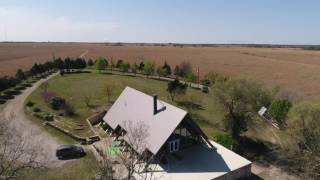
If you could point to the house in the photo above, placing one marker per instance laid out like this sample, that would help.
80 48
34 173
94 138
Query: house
170 135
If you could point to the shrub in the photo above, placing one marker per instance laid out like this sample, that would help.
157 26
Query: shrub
124 67
29 103
57 103
101 64
279 109
36 109
190 77
205 89
48 117
226 140
149 68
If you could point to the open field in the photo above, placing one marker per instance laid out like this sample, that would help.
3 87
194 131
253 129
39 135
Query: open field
296 71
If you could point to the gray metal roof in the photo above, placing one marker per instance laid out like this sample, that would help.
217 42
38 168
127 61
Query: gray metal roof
136 107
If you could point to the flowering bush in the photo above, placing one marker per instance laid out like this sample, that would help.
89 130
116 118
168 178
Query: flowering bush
47 95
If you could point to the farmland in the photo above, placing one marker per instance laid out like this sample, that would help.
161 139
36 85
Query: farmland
296 71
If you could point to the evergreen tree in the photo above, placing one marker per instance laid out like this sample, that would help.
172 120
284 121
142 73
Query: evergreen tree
149 68
167 68
90 62
101 64
20 75
119 63
176 71
141 66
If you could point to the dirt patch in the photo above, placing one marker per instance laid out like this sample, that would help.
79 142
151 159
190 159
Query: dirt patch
271 172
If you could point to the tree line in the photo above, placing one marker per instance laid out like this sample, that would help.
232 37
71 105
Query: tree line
7 82
183 70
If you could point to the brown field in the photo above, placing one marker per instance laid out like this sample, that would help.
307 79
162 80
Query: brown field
296 71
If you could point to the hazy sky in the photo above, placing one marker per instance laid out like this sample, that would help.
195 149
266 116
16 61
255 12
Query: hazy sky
182 21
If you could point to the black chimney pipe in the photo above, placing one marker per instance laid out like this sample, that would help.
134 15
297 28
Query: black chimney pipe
155 108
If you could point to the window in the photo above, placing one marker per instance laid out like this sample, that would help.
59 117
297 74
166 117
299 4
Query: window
174 145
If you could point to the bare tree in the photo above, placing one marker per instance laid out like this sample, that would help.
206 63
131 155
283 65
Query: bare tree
105 171
136 134
134 157
16 154
87 100
44 86
131 161
109 89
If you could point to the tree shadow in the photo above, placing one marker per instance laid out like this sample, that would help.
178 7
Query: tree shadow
20 88
12 92
106 72
266 154
77 72
7 96
2 101
205 161
251 177
27 85
253 148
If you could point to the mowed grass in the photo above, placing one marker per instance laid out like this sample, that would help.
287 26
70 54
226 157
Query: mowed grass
75 87
84 168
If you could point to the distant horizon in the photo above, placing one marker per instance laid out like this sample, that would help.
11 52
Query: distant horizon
284 22
160 43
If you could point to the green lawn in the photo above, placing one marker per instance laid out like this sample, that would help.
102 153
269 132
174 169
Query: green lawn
74 88
84 168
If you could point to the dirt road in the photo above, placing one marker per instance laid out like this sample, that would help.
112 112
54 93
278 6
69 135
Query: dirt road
84 54
41 140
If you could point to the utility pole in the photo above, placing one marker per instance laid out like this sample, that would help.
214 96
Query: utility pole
198 77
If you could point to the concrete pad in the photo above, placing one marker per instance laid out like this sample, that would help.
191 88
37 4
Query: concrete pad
201 163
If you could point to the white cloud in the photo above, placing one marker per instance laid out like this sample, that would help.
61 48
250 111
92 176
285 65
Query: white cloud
20 24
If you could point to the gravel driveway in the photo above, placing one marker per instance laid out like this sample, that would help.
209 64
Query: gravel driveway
43 142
